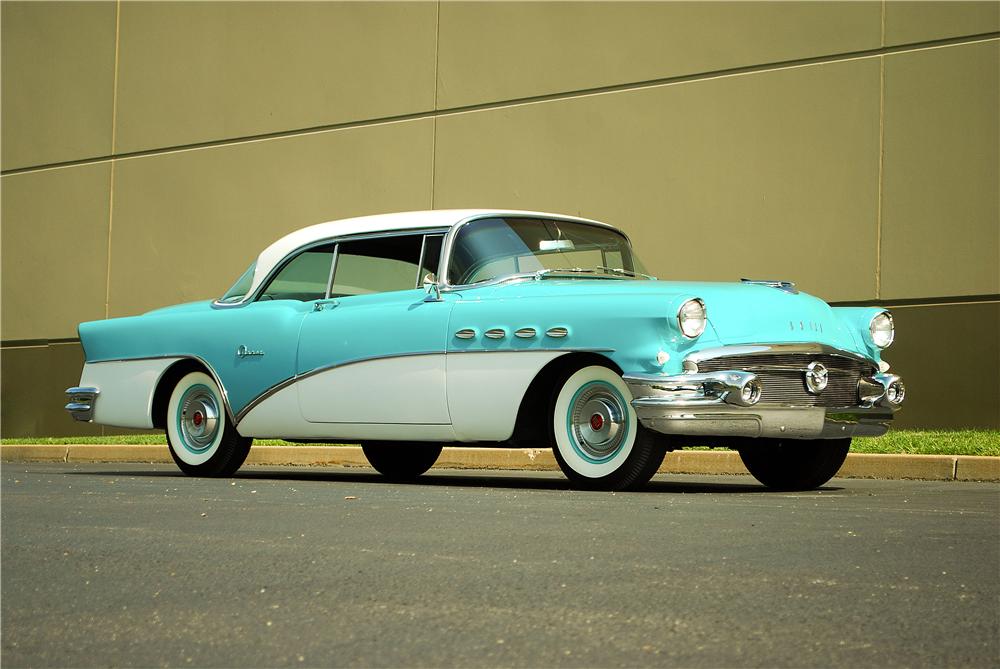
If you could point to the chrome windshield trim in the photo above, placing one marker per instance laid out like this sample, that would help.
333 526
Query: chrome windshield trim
449 243
252 297
772 349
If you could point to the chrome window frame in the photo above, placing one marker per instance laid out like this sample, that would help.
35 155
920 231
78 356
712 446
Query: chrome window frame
337 241
449 244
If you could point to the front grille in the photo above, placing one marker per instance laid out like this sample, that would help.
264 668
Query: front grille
782 377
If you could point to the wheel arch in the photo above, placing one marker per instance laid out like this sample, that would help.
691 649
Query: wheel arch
529 427
169 379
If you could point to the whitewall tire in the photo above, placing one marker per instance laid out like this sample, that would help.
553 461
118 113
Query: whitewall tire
202 439
596 437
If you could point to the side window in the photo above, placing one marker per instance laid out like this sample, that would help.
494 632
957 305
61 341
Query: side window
304 278
377 265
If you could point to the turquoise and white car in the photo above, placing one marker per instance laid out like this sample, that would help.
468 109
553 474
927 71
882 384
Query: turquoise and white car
410 331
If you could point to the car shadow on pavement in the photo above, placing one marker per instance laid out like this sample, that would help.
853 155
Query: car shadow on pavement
511 480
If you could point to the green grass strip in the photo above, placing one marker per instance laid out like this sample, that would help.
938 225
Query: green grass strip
921 442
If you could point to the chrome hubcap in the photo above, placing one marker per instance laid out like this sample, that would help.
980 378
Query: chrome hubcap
598 422
199 418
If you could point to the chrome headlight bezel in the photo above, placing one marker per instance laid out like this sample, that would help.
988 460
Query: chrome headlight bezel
690 322
882 330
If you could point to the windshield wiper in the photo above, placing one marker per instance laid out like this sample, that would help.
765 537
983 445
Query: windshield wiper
626 272
563 270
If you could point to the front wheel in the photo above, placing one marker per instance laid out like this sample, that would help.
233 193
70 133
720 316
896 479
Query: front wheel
202 439
794 464
596 438
401 461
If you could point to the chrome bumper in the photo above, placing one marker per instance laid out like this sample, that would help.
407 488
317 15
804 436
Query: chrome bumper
715 404
81 403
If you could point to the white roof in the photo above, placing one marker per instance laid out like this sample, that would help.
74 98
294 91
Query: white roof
404 220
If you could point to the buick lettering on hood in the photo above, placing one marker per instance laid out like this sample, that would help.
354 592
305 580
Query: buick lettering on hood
406 332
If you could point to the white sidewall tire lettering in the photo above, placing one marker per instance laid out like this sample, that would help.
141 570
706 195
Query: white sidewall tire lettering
573 457
175 438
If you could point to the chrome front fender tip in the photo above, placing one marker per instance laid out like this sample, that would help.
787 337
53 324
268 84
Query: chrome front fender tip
81 403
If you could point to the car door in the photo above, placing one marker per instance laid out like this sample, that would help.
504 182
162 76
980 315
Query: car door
373 352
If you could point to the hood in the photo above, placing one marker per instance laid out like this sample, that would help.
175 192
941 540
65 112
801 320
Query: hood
738 313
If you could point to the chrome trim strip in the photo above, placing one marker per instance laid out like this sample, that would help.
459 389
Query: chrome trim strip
525 333
420 263
333 270
770 349
325 368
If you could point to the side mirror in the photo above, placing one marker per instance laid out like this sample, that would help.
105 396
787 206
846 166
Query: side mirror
432 288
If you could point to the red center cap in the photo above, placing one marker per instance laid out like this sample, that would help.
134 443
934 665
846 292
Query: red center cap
596 422
197 418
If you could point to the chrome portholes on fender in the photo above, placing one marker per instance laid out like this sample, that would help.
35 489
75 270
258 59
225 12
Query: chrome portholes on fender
201 438
596 437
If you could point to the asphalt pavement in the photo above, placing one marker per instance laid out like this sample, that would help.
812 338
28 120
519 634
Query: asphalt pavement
137 565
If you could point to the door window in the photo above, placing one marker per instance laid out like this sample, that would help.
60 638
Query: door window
377 265
305 277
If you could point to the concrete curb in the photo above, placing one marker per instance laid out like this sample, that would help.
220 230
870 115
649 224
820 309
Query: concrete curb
858 465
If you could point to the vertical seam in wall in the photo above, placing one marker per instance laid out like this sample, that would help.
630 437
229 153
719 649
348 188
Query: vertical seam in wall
434 120
881 161
111 187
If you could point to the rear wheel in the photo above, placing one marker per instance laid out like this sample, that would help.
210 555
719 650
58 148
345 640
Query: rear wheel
202 440
794 464
401 461
596 438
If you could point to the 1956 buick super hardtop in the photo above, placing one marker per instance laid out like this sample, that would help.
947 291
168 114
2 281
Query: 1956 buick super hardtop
484 327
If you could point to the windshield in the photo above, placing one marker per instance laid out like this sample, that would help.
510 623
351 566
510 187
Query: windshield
240 288
496 247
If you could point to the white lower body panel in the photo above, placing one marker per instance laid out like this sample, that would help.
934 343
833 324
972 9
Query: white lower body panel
126 390
485 390
404 389
365 401
280 417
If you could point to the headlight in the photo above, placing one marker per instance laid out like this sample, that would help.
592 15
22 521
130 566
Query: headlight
691 318
882 329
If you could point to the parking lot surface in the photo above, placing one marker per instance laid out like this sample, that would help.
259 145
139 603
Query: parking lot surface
136 565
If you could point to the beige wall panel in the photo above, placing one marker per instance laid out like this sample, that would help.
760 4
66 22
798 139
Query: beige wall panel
938 390
33 393
187 224
507 50
940 204
770 175
910 22
54 250
195 72
58 81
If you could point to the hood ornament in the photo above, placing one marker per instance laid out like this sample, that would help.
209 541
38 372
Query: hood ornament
787 286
